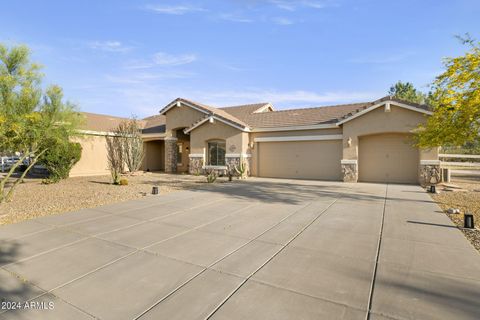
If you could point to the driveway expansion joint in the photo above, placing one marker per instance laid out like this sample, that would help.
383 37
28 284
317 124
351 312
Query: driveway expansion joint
377 256
270 259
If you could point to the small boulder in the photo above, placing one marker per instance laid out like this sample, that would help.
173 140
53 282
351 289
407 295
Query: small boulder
453 211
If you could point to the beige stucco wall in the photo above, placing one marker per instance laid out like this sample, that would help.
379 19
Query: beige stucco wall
94 157
181 117
236 140
398 120
154 159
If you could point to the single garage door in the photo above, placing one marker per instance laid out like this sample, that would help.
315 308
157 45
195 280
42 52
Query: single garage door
300 159
387 158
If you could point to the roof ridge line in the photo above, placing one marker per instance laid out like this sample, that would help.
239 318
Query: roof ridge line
319 107
245 105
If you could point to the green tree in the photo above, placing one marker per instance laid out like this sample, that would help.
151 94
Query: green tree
29 117
455 100
407 92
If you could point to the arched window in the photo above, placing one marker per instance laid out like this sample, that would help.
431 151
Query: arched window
216 152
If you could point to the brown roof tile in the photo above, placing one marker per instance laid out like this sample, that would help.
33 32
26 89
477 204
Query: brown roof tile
154 124
243 111
100 122
106 123
307 116
301 117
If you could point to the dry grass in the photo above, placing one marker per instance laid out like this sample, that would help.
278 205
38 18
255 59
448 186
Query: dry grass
34 199
467 200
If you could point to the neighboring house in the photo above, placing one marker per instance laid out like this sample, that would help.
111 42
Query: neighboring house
368 142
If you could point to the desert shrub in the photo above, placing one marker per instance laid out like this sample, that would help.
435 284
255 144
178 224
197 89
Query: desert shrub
60 158
211 176
123 182
115 157
129 133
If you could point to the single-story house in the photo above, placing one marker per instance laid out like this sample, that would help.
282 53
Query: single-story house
369 142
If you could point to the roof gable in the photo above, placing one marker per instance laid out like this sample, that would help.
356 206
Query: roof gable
262 116
210 113
386 101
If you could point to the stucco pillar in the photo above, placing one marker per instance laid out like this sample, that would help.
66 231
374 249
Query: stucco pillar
170 154
349 163
349 170
430 172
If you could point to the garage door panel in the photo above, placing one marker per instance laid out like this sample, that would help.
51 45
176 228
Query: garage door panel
388 158
301 159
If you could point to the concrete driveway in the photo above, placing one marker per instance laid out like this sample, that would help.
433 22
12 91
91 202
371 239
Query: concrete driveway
261 249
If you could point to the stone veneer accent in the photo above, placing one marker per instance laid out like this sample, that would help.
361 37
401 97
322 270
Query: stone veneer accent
349 170
233 162
196 165
170 155
430 172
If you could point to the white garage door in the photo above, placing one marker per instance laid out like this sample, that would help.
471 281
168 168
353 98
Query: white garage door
300 159
387 158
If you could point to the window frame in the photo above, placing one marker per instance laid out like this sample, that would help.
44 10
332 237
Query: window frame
217 143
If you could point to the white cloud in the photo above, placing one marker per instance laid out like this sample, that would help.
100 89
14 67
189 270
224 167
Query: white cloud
234 18
146 77
285 5
314 4
160 59
174 9
111 46
165 59
282 21
292 5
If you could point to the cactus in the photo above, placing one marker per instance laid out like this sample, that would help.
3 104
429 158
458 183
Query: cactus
241 169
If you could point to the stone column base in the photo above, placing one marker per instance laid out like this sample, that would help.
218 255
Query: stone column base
349 170
170 155
430 172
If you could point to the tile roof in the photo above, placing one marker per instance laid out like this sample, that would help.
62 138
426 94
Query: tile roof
100 122
154 124
243 111
306 116
106 123
245 116
301 117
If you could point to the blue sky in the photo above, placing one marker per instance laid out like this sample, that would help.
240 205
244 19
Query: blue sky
133 57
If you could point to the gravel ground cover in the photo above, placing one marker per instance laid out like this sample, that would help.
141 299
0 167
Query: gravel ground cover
467 199
34 199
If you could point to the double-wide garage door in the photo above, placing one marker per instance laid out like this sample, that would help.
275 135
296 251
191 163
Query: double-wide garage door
300 159
387 158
